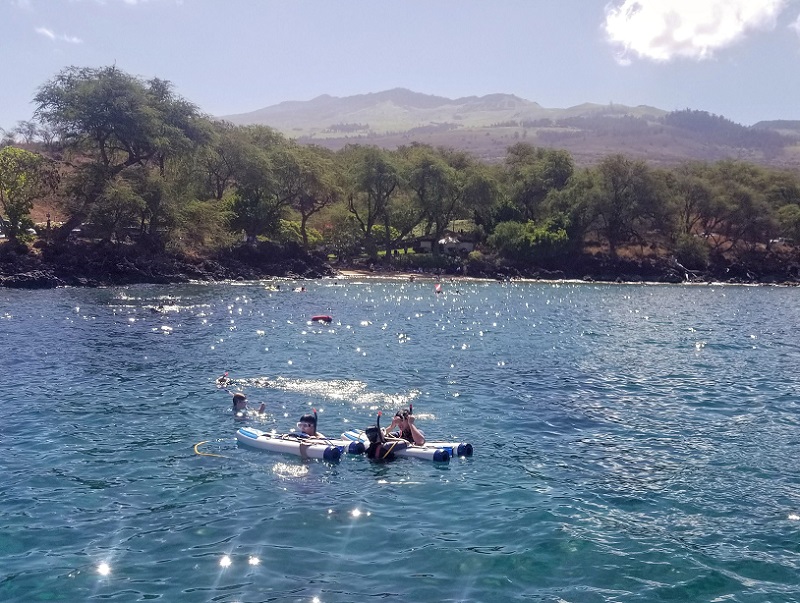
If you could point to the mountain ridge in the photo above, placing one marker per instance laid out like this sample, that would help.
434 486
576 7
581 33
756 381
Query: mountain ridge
487 125
310 116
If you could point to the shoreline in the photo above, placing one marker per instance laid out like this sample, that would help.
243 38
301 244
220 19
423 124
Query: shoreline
104 265
405 276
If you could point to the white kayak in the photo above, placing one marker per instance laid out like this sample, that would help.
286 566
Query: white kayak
302 446
431 451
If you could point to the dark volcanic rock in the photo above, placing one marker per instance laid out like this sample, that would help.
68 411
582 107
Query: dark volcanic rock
37 279
101 264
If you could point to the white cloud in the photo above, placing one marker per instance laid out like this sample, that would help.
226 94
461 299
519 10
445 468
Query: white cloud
796 25
43 31
47 33
663 30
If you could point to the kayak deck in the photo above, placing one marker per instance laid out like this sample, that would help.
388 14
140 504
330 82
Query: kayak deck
292 443
431 451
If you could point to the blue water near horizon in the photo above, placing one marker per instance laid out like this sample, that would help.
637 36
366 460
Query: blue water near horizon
632 443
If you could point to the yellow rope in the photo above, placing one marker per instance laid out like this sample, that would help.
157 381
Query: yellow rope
196 451
390 450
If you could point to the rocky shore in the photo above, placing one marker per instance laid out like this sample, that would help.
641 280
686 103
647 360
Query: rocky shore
604 268
762 269
105 264
87 264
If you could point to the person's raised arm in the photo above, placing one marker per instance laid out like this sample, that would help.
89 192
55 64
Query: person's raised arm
416 433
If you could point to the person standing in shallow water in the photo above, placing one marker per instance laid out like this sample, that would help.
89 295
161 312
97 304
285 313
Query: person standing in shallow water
240 410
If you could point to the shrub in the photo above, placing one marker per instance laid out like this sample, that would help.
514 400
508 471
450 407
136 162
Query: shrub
692 252
289 232
529 242
427 261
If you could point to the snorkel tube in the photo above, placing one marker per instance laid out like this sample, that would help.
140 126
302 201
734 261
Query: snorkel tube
374 434
223 381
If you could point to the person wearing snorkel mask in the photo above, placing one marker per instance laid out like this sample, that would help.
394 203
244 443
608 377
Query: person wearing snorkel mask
308 426
403 427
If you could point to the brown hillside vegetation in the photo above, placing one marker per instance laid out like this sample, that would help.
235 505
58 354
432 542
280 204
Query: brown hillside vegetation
486 126
657 148
144 188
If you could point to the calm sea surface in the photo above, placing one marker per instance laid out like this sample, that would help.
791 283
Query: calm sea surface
632 443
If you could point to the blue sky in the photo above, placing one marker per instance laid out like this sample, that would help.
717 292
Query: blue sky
737 58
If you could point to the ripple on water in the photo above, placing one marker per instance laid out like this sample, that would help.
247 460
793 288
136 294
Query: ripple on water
631 443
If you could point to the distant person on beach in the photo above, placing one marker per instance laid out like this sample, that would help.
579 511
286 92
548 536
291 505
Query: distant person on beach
403 427
380 449
240 410
308 426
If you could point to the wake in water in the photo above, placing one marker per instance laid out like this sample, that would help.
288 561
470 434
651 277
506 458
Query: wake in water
355 392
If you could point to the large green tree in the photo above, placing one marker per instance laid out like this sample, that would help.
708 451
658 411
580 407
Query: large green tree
693 199
447 184
268 178
574 206
318 187
741 191
625 190
219 160
255 208
117 121
373 177
533 173
24 178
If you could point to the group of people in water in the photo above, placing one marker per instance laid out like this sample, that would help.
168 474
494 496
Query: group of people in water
401 433
383 443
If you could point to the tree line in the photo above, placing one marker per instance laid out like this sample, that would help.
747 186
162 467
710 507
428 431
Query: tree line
131 157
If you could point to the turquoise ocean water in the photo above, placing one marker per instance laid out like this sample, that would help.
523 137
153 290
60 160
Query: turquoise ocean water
632 443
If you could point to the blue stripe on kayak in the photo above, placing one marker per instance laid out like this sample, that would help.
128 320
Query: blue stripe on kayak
248 433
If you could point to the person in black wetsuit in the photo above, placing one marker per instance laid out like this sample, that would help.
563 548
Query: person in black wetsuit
380 449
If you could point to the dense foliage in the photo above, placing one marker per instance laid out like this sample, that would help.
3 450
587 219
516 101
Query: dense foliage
139 164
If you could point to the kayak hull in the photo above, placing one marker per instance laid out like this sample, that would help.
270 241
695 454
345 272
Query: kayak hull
431 451
328 450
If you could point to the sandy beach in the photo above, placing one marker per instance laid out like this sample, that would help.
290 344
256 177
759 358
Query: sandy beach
390 274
